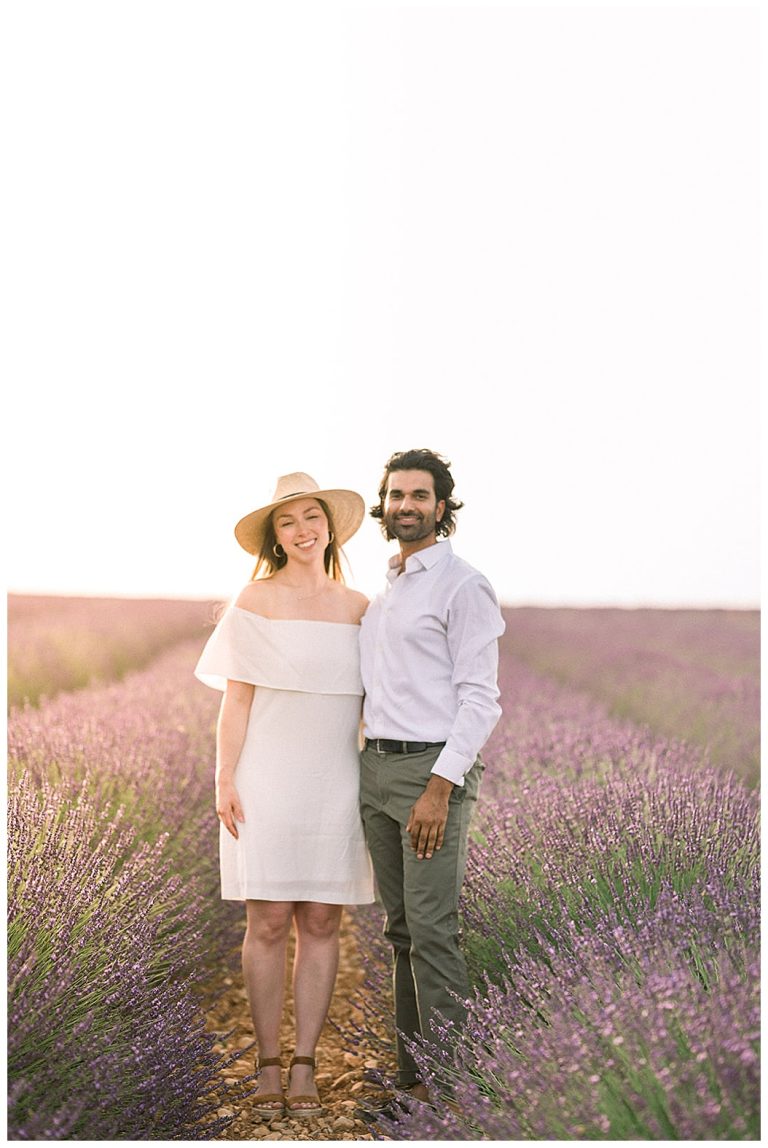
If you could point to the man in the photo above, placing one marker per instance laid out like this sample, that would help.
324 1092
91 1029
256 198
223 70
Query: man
429 656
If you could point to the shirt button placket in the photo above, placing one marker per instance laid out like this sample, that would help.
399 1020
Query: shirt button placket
377 658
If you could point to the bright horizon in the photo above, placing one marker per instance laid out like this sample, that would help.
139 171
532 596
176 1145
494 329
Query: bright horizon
257 238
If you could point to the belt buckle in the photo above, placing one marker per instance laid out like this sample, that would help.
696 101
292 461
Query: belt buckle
377 745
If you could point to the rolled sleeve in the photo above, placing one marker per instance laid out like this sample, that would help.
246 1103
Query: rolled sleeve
474 626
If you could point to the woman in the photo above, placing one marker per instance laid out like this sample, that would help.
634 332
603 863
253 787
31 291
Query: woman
287 769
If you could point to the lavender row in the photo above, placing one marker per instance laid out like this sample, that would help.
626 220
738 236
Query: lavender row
618 1041
692 674
611 923
114 912
57 643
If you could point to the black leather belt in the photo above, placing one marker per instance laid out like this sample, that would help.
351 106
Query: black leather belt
384 745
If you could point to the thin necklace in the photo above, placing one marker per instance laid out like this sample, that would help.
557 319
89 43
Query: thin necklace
303 597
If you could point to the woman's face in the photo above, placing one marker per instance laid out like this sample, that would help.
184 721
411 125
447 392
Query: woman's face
302 529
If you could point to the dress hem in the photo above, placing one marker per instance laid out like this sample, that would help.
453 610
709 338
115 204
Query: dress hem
318 900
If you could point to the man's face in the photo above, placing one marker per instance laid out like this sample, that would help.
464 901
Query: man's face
411 509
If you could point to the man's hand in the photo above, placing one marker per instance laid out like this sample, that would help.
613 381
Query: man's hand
429 815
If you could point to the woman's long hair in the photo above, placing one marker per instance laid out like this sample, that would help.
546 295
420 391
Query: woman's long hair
267 562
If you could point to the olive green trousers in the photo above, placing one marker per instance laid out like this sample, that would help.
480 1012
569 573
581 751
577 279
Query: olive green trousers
420 897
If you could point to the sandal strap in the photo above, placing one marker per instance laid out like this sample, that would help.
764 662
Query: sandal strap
303 1060
269 1098
266 1061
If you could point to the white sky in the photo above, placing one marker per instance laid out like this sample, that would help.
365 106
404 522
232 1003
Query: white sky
250 238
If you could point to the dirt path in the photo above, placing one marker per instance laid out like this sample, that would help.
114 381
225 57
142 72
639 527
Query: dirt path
339 1068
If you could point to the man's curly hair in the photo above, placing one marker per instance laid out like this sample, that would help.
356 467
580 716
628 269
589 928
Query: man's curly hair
439 468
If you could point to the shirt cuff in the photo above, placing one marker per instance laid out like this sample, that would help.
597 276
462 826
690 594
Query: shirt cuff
452 766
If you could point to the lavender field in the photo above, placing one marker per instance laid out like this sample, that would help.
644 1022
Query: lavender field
114 913
59 644
610 911
690 674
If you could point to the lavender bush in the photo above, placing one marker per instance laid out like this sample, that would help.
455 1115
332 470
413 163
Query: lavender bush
114 911
145 744
583 814
106 1037
618 1036
611 922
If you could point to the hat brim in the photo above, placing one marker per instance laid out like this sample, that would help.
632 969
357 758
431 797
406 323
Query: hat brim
346 506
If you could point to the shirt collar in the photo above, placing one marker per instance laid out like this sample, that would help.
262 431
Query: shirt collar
423 559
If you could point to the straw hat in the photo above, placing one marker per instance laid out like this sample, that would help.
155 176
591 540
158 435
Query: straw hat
346 507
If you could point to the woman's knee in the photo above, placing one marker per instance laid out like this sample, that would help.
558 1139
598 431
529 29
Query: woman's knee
318 921
269 921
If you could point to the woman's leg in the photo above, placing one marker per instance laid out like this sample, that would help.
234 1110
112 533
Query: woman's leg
264 949
314 975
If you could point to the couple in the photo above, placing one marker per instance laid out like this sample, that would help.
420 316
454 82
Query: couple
301 809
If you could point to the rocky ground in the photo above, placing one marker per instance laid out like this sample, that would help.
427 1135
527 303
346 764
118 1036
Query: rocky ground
340 1069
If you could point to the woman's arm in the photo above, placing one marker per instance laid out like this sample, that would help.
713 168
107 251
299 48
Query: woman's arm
230 735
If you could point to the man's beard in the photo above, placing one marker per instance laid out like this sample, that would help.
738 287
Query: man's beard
422 528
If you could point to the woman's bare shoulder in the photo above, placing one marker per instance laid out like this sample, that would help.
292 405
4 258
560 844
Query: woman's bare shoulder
256 596
355 602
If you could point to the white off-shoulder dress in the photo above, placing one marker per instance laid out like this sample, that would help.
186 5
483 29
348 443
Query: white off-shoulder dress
298 772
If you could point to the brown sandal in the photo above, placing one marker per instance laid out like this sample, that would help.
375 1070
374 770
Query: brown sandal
268 1105
302 1106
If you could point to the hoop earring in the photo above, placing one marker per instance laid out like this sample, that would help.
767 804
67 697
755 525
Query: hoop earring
331 537
274 551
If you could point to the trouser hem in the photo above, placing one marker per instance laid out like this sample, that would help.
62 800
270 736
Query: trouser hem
405 1079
